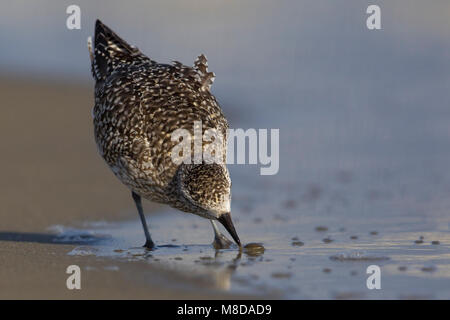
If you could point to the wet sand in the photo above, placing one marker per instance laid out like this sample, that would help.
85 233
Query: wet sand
52 175
37 271
314 269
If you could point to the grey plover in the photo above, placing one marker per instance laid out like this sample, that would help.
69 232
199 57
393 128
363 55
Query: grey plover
139 103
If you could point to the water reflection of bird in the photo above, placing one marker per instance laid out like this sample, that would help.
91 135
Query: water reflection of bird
139 103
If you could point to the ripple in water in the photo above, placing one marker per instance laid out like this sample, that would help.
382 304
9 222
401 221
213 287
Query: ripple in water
357 256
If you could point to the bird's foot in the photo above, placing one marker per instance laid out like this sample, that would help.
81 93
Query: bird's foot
221 242
149 245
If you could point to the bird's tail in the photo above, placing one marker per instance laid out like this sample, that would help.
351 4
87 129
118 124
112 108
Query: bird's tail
109 51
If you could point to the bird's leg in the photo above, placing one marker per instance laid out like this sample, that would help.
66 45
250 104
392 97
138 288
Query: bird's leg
137 199
220 241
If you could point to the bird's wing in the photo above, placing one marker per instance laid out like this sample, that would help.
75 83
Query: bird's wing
206 78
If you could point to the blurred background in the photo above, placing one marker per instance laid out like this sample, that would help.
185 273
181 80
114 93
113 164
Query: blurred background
363 114
345 97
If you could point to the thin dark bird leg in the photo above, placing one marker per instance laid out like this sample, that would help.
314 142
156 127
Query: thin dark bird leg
137 199
220 241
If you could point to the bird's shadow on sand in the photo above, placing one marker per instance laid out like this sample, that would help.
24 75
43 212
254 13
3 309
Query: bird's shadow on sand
48 238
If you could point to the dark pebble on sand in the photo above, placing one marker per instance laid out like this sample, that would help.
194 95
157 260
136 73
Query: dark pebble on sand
257 220
418 241
435 242
290 204
294 238
429 269
402 268
321 229
178 258
354 237
327 240
206 258
326 270
280 275
297 243
373 233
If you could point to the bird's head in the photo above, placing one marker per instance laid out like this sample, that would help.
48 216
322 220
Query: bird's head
207 187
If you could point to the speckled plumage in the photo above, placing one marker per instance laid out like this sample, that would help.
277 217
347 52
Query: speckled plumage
139 103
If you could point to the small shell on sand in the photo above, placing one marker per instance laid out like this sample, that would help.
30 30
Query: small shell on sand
254 249
297 243
253 245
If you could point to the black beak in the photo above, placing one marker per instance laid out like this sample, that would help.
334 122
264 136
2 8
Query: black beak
225 220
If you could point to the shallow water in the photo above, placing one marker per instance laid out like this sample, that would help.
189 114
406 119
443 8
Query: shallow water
333 269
